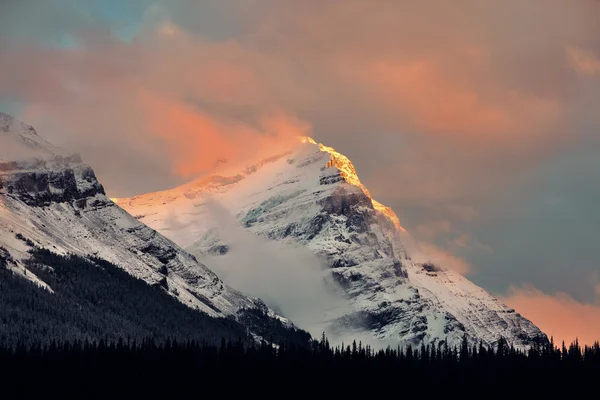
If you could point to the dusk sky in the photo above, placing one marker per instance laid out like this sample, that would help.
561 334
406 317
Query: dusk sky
477 121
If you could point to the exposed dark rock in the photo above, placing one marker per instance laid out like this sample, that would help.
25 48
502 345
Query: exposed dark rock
355 277
341 263
27 241
100 203
163 270
419 324
219 249
316 225
162 283
41 188
204 300
330 179
340 280
289 230
163 254
399 270
344 202
429 267
359 221
80 203
5 257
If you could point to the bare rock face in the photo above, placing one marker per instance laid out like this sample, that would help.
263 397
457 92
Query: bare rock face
312 197
42 187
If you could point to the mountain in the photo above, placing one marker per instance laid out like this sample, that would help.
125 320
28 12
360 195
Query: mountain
311 196
50 200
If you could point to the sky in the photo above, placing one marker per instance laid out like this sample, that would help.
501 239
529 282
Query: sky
475 120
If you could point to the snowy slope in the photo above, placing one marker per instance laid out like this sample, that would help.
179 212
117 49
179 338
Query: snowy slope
312 196
48 198
19 141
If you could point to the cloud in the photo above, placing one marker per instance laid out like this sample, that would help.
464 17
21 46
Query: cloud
453 239
289 278
466 213
423 251
434 229
558 315
169 103
585 62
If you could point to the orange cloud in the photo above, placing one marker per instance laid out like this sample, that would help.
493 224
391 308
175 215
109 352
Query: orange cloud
557 315
195 139
437 99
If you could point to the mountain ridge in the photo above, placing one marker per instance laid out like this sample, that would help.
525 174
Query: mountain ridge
50 199
311 196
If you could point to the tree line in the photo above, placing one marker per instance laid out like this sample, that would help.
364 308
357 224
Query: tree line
151 367
104 333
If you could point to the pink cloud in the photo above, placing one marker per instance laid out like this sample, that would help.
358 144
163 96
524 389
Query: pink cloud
557 315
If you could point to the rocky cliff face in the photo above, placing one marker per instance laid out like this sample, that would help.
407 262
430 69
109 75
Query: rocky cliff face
50 199
312 197
41 185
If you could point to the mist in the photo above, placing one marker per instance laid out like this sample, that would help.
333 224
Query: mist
289 279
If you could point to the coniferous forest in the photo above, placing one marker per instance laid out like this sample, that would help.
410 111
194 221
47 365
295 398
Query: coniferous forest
95 300
140 368
104 333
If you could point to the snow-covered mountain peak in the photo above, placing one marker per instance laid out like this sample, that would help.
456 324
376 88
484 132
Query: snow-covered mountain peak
7 121
21 145
314 161
311 196
349 174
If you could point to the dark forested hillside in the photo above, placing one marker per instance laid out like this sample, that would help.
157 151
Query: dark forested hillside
94 300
